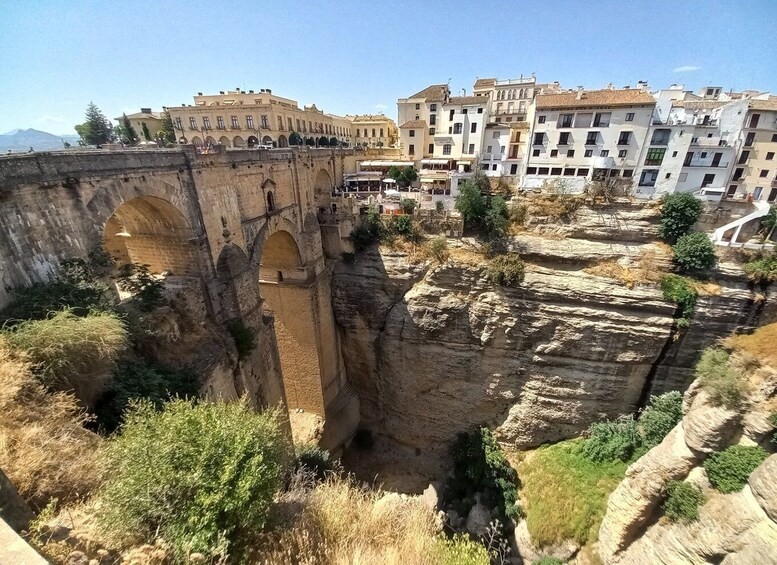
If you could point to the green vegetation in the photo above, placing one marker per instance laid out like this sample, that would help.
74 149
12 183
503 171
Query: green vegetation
548 561
403 225
480 465
471 203
459 550
166 133
694 252
773 422
679 212
243 336
681 291
762 268
295 139
518 214
659 417
146 290
439 206
403 175
481 211
438 249
497 219
683 501
566 493
202 476
316 461
408 205
125 132
716 376
96 130
368 232
728 470
506 270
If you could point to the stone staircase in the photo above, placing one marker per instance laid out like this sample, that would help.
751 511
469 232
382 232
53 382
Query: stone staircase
719 235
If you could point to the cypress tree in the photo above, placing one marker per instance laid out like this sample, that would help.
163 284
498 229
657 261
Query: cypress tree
96 130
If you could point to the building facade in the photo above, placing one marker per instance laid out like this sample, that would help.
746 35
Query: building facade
247 119
144 121
754 176
417 117
373 130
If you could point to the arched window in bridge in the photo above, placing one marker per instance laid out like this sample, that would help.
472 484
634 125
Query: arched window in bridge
270 202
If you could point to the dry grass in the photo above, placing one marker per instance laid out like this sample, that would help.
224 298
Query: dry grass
760 344
554 206
706 288
612 270
649 267
44 448
467 256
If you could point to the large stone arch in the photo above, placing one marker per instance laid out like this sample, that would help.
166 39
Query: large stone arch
322 186
237 290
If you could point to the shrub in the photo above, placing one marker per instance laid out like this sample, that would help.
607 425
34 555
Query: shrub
762 269
459 550
729 469
479 465
683 501
403 225
72 353
45 450
408 205
612 440
136 379
566 493
496 219
694 252
316 461
201 476
679 290
471 203
548 561
773 422
718 379
506 270
518 214
438 249
75 287
243 336
370 231
137 280
439 206
679 212
659 417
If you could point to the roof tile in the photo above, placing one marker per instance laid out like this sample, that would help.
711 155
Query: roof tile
606 97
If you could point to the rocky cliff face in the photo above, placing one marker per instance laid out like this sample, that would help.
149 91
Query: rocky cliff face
734 528
433 350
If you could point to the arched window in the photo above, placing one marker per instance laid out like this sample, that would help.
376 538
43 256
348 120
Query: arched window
509 94
270 202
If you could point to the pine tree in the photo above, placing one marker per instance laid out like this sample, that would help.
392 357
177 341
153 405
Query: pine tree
166 132
146 133
96 130
128 133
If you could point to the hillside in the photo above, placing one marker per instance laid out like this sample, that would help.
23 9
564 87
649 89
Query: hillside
23 139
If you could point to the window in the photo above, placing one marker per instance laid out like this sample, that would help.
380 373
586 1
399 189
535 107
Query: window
703 154
535 153
457 128
411 134
270 202
206 122
471 148
764 173
497 135
555 171
541 119
602 119
738 174
674 153
654 157
589 153
446 149
464 111
582 172
493 167
750 139
660 137
604 153
629 116
531 170
543 171
432 120
250 122
569 172
411 149
450 117
770 155
708 179
571 153
480 110
192 123
622 153
219 122
373 132
431 148
754 120
484 167
565 120
668 176
513 169
591 138
235 122
648 178
563 138
417 106
628 173
488 149
280 123
744 157
178 123
774 138
539 138
473 128
554 152
624 138
757 192
432 107
431 131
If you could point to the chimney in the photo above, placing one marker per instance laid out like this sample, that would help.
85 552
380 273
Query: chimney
269 91
199 94
145 110
221 92
579 92
250 92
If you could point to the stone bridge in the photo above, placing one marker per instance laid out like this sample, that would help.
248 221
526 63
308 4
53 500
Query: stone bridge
240 227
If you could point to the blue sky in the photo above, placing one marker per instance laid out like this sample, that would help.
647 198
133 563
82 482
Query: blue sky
359 57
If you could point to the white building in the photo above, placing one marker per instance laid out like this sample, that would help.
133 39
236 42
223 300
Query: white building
584 135
418 117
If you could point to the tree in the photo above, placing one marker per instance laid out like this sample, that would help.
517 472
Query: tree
166 132
146 133
497 217
96 130
470 203
295 139
408 205
678 214
332 142
403 175
310 141
323 141
694 252
126 132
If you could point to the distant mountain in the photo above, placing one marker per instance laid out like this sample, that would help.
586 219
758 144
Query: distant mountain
23 139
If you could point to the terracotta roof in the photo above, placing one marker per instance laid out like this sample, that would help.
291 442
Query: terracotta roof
414 124
606 97
140 115
485 82
770 104
467 100
699 104
435 93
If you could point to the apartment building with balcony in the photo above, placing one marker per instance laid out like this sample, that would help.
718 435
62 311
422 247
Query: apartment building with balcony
582 135
754 176
373 130
237 118
418 117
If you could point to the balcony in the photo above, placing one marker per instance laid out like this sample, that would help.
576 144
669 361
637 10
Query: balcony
660 141
707 165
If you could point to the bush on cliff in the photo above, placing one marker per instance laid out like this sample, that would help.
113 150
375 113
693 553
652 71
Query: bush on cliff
728 470
201 476
368 232
659 417
683 501
506 270
762 268
694 253
681 291
679 212
716 376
